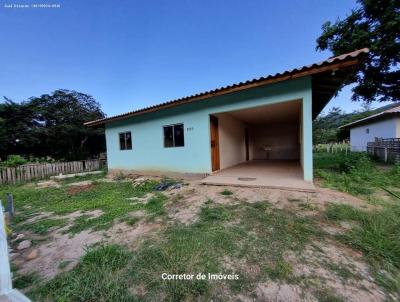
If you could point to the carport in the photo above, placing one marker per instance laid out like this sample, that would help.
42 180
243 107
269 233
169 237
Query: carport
258 146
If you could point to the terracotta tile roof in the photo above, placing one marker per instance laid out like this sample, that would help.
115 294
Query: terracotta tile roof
282 76
389 112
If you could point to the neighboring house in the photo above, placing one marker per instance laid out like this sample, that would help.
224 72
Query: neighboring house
265 120
383 125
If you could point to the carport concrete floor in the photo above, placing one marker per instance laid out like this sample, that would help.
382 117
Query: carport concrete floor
281 174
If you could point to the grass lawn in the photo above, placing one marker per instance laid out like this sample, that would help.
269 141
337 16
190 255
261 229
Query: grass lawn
259 242
377 233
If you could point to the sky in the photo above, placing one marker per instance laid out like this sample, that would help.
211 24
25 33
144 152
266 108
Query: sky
130 54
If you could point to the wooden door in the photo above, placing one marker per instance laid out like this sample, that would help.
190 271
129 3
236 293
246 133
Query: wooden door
246 140
214 143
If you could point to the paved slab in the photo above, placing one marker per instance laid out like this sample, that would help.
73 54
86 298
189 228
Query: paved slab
281 174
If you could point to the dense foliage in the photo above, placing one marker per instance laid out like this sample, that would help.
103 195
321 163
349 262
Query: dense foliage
51 125
374 24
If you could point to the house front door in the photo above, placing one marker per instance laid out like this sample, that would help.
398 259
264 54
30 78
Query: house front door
214 143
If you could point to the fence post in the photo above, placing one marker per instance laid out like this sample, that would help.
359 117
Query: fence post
10 205
386 155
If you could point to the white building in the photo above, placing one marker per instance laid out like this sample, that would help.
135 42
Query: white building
384 125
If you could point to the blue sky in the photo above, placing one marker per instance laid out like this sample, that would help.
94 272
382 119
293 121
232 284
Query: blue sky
130 54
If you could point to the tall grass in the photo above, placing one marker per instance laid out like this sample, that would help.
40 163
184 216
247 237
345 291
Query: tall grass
99 276
376 232
354 173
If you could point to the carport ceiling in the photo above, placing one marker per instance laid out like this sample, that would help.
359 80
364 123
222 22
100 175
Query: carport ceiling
269 114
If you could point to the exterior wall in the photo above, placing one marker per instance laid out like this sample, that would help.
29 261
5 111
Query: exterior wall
359 137
282 138
306 158
148 152
232 147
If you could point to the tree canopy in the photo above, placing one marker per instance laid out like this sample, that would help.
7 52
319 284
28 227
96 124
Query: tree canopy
375 24
51 125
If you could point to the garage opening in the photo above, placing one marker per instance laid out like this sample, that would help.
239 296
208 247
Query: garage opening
258 146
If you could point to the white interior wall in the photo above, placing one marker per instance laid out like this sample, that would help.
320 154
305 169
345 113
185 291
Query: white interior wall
282 138
232 147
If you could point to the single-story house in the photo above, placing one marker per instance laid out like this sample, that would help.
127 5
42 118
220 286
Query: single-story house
261 125
383 125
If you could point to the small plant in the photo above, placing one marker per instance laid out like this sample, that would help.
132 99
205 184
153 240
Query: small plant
307 206
43 226
281 270
132 220
209 201
23 281
226 192
155 205
63 264
214 214
15 160
119 176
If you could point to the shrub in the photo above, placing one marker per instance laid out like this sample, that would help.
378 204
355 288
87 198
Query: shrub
15 160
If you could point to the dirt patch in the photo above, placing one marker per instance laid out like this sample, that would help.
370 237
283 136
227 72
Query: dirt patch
277 292
325 196
129 235
185 203
47 184
76 189
63 247
80 183
60 248
337 269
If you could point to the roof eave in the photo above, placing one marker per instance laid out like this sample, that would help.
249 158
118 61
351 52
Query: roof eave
327 66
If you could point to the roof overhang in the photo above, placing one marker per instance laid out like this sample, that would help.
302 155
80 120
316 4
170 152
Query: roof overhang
327 78
371 119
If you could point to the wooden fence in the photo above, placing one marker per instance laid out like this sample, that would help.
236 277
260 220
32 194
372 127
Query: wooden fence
29 172
387 150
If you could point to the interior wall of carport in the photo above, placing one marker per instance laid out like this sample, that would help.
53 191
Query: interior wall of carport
282 138
232 145
148 152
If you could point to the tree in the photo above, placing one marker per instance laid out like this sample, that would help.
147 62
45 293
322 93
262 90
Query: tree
52 125
375 24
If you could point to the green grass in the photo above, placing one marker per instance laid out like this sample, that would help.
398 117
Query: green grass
377 232
24 281
326 295
99 276
355 173
131 220
209 214
224 239
155 205
110 198
42 226
63 264
377 235
260 237
226 192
